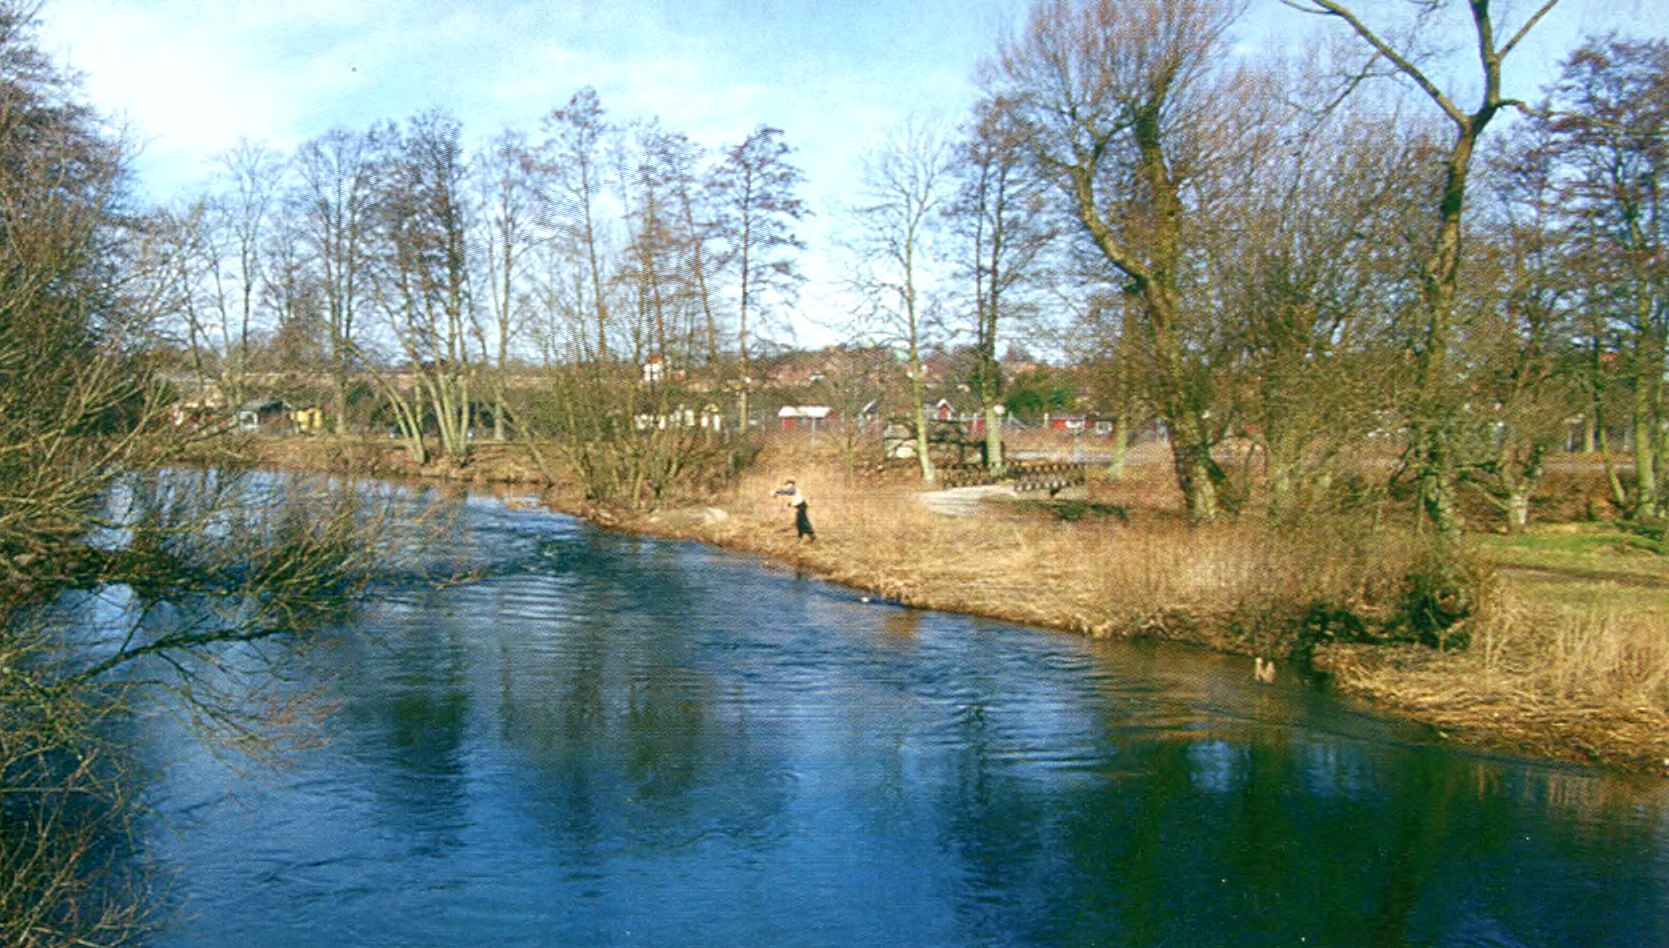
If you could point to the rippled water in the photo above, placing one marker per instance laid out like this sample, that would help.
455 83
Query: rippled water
607 740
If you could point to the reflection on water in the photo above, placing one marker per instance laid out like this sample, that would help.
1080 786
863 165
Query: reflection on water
615 741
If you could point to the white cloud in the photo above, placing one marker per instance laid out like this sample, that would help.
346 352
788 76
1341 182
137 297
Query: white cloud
188 79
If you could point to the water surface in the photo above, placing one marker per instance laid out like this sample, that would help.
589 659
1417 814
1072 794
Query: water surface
607 740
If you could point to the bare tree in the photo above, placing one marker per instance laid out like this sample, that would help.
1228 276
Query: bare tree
693 199
72 326
1431 416
1004 228
298 342
670 231
333 207
1311 295
422 284
906 185
173 252
505 197
241 213
756 210
1117 101
1605 127
83 425
576 159
650 273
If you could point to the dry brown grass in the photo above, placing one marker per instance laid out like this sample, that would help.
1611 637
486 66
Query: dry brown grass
1592 686
1240 586
1597 653
1588 684
1463 696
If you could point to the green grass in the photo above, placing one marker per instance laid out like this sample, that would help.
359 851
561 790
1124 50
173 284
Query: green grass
1583 569
1595 552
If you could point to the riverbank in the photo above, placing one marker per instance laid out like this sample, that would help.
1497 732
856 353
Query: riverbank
1565 663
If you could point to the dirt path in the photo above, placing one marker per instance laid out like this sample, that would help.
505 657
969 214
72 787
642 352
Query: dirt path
1571 575
962 501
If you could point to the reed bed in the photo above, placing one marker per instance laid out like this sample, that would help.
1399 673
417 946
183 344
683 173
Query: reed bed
1597 653
1241 587
1589 684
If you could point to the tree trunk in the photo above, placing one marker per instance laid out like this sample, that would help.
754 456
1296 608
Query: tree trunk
1650 444
1282 485
411 427
1436 483
1521 478
1194 474
1518 508
993 439
1619 497
1197 473
1645 463
1121 447
923 460
339 402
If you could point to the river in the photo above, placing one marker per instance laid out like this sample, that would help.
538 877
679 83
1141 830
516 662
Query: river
607 740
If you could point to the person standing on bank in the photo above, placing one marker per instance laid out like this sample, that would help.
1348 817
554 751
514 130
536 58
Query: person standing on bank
797 500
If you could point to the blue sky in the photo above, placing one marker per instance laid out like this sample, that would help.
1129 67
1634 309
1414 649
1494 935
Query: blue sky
192 77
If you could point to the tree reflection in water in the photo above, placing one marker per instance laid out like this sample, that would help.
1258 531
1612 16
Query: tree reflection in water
610 740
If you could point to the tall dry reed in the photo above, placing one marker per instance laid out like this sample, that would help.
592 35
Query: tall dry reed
1598 653
1240 586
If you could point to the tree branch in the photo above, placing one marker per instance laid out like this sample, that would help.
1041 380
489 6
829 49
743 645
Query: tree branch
1402 63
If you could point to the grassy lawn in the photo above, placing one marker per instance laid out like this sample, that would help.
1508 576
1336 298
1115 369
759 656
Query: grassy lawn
1595 551
1583 567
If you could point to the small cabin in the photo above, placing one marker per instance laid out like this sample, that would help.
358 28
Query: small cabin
794 417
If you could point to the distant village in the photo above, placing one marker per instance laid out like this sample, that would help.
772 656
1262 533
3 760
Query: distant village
796 390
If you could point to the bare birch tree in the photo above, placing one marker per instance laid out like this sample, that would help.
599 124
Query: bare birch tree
906 184
756 207
506 195
576 160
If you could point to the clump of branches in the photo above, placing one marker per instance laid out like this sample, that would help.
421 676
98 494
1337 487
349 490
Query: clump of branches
123 576
630 445
201 590
247 554
64 811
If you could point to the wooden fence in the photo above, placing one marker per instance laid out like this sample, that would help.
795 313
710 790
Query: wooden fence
1026 476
